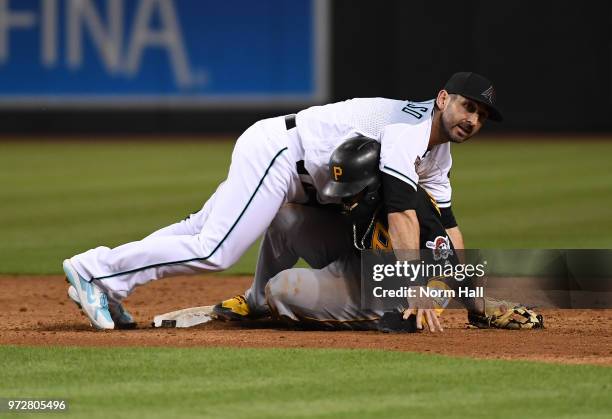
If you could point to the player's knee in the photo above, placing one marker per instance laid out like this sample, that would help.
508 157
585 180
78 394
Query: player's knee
221 261
290 287
224 265
276 288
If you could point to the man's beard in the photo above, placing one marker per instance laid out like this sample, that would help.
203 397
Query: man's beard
446 134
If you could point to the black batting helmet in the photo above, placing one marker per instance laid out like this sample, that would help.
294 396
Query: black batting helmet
353 169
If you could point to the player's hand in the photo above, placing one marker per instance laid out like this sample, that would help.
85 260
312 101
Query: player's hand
429 314
424 309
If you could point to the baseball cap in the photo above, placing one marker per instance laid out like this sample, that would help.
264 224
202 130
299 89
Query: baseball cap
477 88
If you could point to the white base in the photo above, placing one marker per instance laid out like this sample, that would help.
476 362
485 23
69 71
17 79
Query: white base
187 317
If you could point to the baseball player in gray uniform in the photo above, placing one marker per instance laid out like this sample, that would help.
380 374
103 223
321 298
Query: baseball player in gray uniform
328 294
265 174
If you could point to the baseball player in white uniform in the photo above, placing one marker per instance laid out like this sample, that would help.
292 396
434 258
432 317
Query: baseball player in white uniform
263 175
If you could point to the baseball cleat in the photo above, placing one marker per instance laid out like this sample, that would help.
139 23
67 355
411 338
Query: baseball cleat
122 318
93 301
236 308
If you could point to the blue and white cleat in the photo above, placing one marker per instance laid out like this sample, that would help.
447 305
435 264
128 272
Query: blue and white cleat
93 301
122 318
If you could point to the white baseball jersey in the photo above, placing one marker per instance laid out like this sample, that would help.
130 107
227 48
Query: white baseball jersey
402 128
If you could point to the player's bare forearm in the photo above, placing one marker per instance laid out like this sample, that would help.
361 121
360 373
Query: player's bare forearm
456 237
404 230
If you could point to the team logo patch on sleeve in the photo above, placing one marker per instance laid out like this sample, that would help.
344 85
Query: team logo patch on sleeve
441 247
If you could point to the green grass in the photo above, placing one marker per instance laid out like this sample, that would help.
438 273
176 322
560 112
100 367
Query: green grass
529 194
281 383
59 199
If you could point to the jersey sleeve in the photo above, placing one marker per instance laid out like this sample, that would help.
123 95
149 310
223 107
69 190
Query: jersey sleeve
400 146
448 218
437 183
398 195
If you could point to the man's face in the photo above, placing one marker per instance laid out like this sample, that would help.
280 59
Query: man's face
461 117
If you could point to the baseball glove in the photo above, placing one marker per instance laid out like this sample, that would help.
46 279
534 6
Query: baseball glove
501 314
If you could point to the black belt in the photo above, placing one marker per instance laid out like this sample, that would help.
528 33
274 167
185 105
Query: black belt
290 122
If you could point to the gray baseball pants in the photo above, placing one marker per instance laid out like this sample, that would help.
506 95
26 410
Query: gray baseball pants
328 294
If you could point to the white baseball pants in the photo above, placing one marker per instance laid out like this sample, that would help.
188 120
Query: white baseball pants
262 176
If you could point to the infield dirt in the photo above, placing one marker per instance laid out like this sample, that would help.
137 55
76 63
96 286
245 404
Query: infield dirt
36 311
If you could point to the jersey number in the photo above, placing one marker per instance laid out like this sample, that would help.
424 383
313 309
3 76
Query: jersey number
414 110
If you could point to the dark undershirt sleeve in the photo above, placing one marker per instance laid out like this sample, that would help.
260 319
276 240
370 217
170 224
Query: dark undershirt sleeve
399 196
448 218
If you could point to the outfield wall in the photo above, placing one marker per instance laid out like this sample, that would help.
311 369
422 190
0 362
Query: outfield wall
163 66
